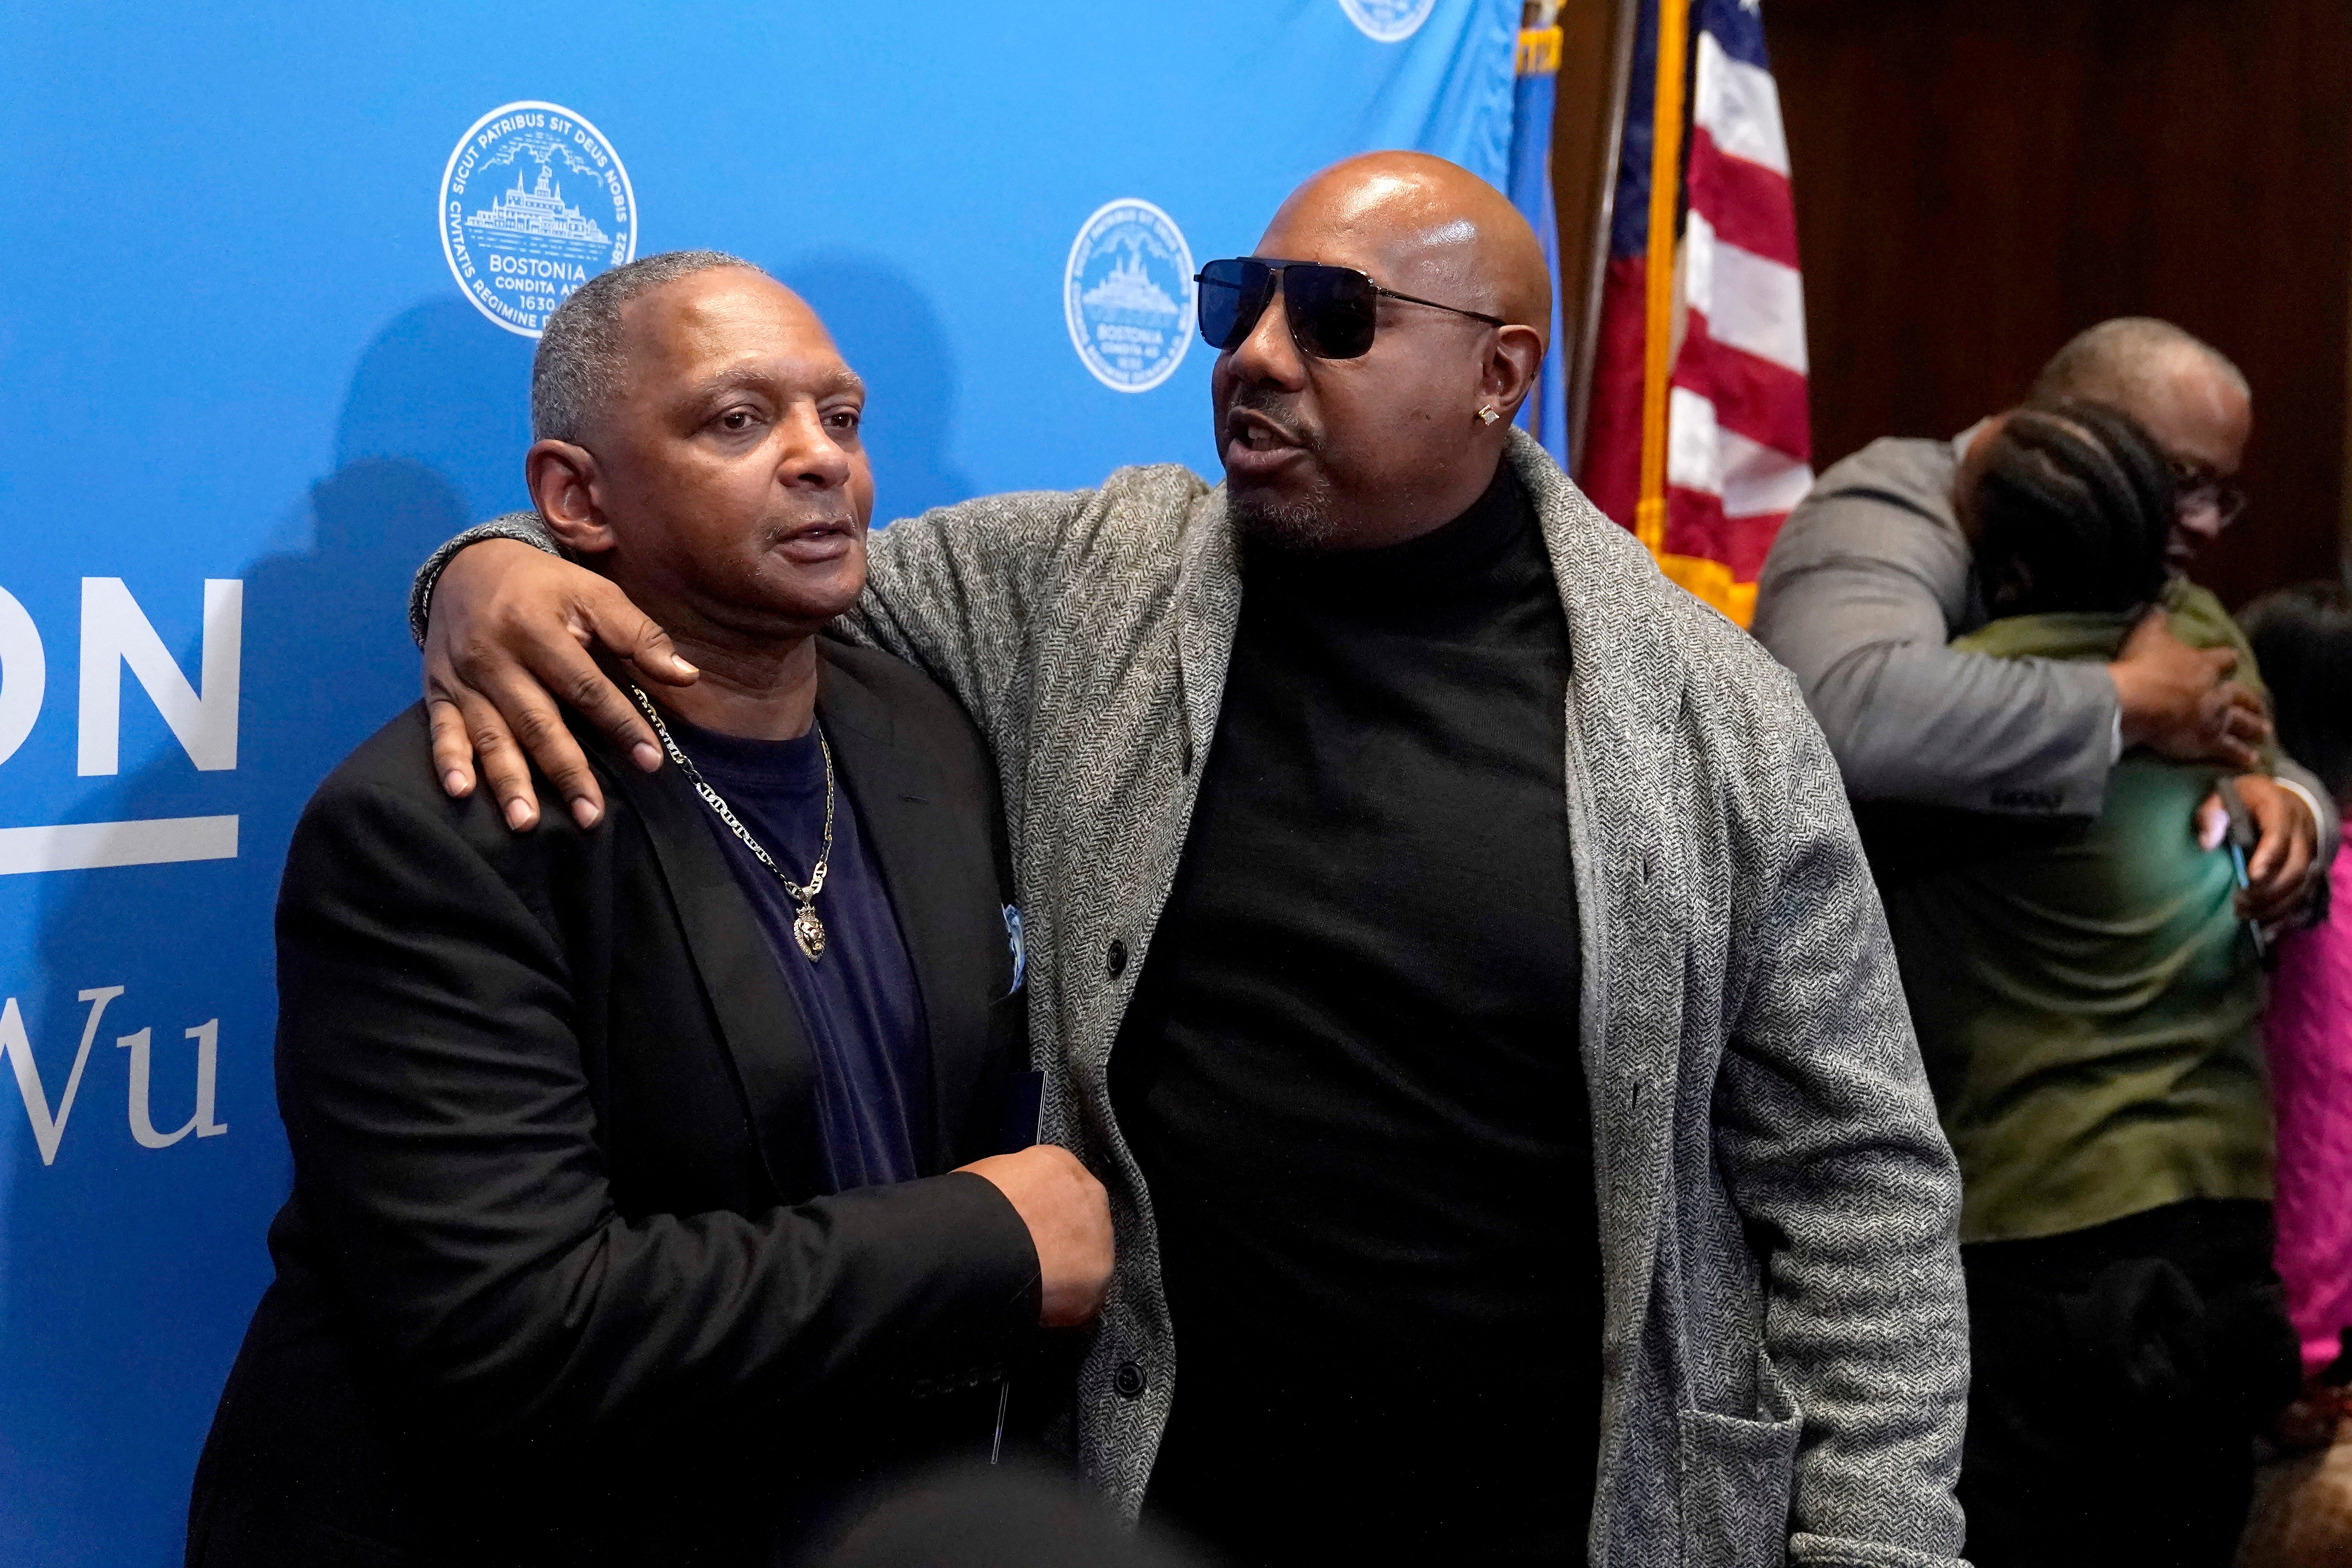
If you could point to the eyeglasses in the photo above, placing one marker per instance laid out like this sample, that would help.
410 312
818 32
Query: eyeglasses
2199 490
1332 311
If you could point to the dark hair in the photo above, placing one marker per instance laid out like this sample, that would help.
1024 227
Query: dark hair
2069 508
578 366
2302 638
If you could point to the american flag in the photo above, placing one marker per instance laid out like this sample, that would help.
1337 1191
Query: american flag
1699 437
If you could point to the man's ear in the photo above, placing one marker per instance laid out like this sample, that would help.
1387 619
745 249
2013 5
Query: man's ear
1511 370
562 481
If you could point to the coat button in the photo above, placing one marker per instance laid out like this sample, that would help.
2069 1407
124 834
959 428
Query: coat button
1116 961
1127 1380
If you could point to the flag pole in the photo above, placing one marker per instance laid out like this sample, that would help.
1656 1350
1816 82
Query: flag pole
1587 349
1657 346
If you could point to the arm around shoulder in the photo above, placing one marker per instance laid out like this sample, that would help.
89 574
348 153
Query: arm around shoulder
449 1164
954 590
1860 604
522 527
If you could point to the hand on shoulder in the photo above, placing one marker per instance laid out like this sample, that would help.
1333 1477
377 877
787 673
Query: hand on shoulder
512 641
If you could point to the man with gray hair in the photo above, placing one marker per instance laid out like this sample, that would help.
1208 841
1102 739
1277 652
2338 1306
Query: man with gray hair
1870 578
1446 939
647 1200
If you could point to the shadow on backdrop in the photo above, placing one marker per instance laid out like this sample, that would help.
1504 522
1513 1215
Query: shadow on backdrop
134 1270
891 334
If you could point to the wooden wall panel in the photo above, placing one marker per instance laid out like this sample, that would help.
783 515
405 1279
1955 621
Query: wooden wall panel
1978 179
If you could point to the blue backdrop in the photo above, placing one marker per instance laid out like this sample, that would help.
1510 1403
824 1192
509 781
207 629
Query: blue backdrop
234 351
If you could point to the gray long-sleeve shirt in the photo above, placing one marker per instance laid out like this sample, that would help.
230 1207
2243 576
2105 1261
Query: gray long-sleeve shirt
1867 585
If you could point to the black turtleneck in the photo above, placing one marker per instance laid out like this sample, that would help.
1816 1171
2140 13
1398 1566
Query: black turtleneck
1350 1072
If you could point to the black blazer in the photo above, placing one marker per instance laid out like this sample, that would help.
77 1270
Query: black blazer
555 1283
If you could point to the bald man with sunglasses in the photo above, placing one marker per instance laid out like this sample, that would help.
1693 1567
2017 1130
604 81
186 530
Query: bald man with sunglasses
1447 940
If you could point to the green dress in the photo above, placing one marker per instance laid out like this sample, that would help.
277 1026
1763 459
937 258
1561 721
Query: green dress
2085 992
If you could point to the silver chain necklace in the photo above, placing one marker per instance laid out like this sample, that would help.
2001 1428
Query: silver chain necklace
807 929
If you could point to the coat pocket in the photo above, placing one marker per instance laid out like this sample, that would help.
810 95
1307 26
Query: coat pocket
1736 1478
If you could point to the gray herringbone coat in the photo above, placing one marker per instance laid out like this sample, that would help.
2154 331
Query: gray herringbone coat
1784 1331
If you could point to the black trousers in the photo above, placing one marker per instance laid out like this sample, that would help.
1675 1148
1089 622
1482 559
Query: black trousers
2120 1374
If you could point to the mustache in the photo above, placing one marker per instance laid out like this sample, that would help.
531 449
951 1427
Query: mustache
1277 408
781 530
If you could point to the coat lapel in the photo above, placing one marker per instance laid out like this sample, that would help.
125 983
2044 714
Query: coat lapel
757 1019
1625 691
1208 618
896 794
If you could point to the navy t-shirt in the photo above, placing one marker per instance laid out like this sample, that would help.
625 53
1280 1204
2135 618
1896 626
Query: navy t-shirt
858 1004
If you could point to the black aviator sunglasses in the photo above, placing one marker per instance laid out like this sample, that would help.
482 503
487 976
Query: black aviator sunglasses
1332 309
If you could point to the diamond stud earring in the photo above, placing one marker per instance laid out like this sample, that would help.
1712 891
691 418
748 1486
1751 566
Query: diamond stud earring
1487 415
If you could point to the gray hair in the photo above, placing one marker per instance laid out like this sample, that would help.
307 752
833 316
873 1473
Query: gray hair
2117 359
579 361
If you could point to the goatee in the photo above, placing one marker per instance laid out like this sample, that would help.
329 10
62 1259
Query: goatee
1300 525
